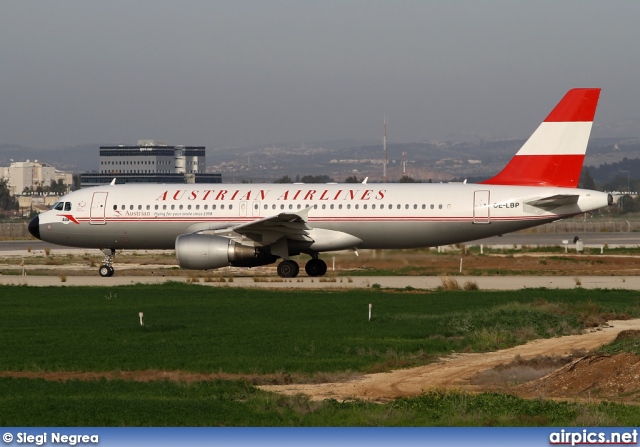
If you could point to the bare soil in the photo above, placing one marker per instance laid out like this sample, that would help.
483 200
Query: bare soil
457 371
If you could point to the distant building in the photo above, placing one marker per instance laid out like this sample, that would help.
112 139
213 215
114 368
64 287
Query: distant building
151 161
31 176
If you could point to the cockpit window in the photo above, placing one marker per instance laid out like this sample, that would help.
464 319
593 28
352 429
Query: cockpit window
58 206
67 206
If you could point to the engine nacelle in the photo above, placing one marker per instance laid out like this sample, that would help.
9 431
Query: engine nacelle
205 251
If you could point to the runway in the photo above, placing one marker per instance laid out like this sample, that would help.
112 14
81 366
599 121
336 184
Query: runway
342 282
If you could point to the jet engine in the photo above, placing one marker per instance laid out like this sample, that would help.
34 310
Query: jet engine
204 251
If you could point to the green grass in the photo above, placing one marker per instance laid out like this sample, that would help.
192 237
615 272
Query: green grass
234 403
204 329
214 329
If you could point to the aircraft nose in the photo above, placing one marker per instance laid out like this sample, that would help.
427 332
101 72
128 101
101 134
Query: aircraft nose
34 227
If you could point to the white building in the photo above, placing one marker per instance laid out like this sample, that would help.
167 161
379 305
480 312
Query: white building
31 175
150 161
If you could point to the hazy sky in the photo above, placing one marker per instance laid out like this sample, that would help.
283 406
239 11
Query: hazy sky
255 72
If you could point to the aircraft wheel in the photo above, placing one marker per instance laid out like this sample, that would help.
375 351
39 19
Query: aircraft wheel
111 271
288 269
105 271
315 267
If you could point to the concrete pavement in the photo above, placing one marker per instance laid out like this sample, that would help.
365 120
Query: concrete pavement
342 282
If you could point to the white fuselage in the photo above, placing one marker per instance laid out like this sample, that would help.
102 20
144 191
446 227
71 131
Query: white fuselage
150 216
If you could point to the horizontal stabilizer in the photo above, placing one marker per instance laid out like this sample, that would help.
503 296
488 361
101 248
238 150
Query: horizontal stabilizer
554 201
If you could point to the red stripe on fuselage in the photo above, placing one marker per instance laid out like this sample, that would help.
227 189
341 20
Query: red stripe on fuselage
579 104
540 170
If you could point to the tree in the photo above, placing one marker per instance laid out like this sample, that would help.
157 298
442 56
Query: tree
407 179
7 201
628 205
284 179
352 179
316 179
586 181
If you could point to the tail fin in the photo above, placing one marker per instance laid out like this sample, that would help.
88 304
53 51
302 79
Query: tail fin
554 154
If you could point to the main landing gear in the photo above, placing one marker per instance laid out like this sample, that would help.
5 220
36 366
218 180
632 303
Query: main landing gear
106 269
313 267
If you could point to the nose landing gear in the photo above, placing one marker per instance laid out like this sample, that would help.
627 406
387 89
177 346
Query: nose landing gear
106 269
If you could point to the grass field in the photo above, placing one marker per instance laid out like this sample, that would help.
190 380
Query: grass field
301 335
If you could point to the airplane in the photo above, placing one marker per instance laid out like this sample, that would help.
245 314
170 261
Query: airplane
215 225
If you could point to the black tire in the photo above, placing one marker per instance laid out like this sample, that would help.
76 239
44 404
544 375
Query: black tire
315 267
111 271
288 269
105 271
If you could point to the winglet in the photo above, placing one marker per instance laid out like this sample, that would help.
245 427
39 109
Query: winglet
554 154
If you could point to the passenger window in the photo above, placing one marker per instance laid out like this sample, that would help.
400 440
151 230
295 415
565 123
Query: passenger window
399 206
197 207
331 206
357 206
181 206
173 207
440 206
340 206
206 207
364 207
230 207
406 207
213 207
188 207
122 207
324 207
281 207
431 206
115 207
148 207
415 207
290 206
155 207
164 207
139 207
373 207
349 206
221 207
424 206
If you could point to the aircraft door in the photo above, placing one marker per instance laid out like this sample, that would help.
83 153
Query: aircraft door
98 208
255 209
481 207
243 208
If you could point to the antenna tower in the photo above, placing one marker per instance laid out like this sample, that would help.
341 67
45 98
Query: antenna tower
384 148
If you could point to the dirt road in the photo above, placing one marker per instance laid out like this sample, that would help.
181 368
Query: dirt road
454 371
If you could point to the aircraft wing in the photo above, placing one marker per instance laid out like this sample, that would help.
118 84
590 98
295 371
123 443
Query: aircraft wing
554 201
268 230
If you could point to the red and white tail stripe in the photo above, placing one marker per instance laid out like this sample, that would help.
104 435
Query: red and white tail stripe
554 154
